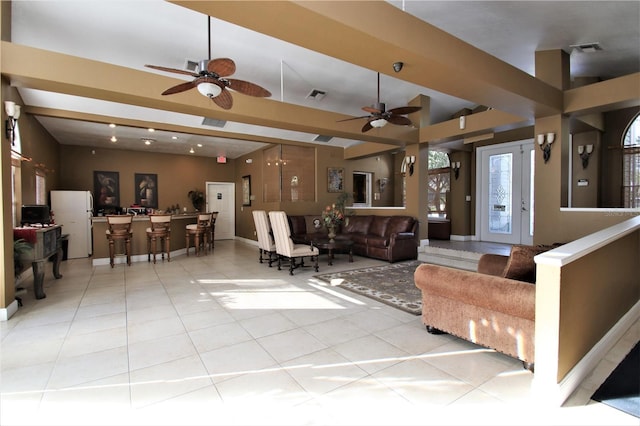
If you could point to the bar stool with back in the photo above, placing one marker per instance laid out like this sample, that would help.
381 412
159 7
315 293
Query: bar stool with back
212 230
160 230
119 229
200 232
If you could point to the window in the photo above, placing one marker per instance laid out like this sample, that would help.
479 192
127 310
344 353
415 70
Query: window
439 184
41 187
631 165
16 172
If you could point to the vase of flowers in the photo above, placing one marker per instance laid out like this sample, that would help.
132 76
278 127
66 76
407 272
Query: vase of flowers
332 216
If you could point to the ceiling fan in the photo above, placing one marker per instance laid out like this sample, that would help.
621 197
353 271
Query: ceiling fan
211 80
379 116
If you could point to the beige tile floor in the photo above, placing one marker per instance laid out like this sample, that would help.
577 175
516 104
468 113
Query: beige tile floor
222 339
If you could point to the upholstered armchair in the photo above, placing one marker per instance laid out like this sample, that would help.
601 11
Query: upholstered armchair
266 243
285 247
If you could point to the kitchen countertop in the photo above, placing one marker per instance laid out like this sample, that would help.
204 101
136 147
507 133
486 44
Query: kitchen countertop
139 218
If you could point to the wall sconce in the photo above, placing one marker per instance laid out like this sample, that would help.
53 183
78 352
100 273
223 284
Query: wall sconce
408 161
546 147
382 182
456 169
585 154
13 113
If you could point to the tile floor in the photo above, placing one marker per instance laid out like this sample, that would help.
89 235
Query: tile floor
222 339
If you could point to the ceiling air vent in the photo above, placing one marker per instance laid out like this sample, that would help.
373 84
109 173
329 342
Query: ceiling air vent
316 94
191 66
586 47
323 138
212 122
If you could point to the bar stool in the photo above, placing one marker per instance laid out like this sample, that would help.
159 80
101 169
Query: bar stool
119 229
199 231
212 230
160 230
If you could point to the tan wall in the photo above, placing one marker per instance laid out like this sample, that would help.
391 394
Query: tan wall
43 150
612 291
459 208
177 174
585 196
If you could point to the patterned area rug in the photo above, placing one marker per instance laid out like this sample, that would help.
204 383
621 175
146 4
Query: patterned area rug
391 284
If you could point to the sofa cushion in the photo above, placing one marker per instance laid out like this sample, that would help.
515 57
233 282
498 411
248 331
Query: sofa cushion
357 224
520 265
376 241
399 224
297 225
378 225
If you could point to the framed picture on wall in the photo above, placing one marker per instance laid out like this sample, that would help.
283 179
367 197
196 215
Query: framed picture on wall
106 189
246 190
146 187
335 179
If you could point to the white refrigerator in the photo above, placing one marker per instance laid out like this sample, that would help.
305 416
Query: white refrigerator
74 211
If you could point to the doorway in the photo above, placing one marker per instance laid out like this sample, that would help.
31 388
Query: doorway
362 189
221 199
505 192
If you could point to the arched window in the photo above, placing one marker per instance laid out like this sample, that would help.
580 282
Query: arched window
631 164
439 175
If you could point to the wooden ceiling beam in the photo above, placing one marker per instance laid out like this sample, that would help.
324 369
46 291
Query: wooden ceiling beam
375 34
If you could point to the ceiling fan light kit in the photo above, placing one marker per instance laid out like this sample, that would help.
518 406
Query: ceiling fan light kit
209 90
380 122
211 81
378 115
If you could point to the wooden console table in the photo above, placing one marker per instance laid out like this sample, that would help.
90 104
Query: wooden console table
46 243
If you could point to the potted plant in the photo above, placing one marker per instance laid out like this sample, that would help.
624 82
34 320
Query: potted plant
197 199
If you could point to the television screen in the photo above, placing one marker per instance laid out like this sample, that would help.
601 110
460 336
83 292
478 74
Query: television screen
35 214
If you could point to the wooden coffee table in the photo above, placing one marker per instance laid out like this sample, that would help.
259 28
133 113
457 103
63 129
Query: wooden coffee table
333 246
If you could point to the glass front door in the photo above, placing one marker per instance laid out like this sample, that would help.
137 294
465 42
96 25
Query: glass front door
506 202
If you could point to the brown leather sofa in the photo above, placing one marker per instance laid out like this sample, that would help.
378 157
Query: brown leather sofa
493 307
390 238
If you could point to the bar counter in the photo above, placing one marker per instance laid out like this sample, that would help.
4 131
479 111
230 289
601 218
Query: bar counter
139 240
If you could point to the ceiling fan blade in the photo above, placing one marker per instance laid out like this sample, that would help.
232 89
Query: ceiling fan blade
185 72
372 110
405 110
367 127
353 118
222 66
248 88
224 99
399 120
182 87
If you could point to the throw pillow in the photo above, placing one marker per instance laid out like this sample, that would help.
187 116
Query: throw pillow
520 265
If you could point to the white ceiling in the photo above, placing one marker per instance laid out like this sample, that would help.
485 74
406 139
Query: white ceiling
135 33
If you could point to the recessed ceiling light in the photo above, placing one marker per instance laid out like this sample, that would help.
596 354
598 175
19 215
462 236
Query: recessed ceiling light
114 139
112 125
152 130
191 151
199 145
174 138
147 142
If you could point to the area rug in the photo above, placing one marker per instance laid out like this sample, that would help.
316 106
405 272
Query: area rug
391 284
621 390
